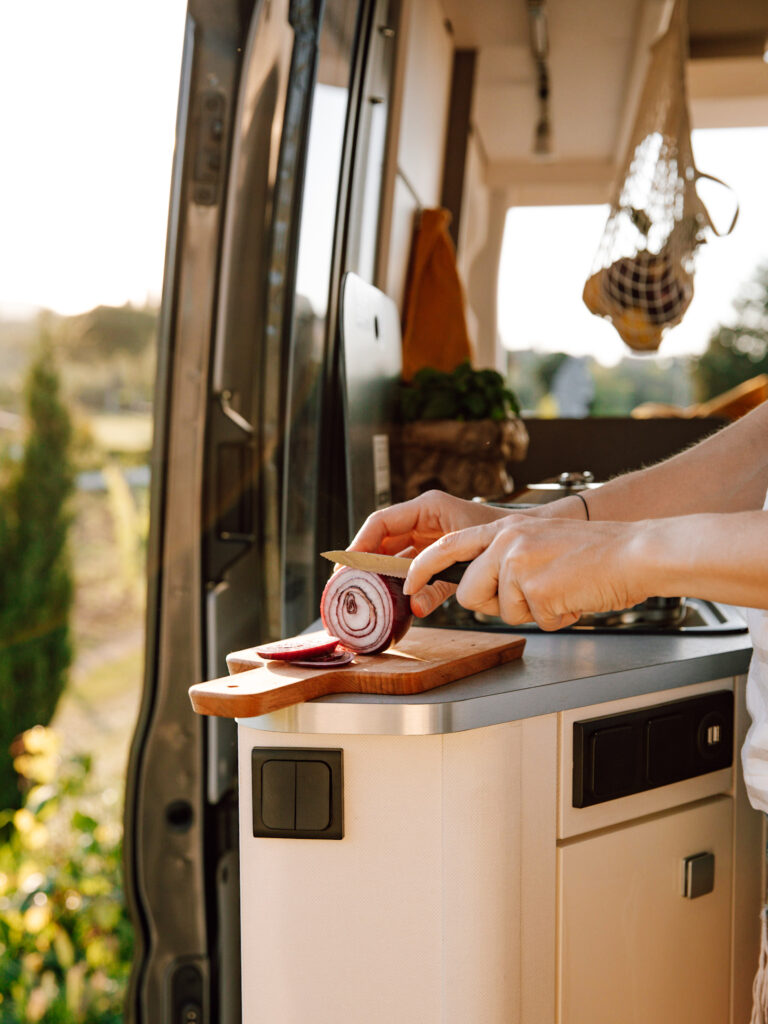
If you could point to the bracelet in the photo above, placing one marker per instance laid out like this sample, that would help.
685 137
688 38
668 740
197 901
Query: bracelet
583 501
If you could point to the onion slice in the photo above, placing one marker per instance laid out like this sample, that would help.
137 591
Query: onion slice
335 659
367 612
308 645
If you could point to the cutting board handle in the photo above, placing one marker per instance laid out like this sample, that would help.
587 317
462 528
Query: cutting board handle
257 691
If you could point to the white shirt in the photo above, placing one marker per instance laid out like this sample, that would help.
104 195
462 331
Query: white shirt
754 755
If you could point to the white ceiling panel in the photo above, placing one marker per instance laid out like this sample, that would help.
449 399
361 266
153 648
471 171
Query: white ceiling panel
598 53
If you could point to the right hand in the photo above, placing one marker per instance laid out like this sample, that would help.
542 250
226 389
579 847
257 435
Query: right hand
414 525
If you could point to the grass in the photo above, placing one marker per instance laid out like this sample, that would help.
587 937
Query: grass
127 432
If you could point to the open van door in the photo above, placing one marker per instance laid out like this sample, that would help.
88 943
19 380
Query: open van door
281 130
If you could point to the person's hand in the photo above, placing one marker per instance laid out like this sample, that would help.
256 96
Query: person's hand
527 568
412 526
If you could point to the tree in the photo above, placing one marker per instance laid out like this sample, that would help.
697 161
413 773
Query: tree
36 587
736 353
107 331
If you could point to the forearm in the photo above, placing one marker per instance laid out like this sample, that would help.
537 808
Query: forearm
719 557
727 472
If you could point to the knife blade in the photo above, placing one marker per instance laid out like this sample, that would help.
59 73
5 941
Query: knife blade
391 565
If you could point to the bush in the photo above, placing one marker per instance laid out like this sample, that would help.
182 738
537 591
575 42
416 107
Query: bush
36 586
65 937
737 352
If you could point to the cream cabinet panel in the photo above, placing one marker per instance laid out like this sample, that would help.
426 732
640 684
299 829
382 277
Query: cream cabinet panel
438 905
632 948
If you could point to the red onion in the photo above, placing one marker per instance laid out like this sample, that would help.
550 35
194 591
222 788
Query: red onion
366 611
334 660
308 645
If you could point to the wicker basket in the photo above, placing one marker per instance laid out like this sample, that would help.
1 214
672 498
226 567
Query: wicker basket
466 458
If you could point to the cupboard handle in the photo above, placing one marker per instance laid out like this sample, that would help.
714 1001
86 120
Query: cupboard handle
698 875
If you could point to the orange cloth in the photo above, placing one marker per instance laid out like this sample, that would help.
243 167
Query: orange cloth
434 322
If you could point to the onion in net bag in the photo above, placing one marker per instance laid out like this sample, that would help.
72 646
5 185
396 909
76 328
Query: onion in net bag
643 276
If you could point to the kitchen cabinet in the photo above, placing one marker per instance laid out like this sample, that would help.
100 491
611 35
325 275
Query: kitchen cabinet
429 910
466 886
632 947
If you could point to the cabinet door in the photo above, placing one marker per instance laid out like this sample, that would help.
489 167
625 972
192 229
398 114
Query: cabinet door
632 947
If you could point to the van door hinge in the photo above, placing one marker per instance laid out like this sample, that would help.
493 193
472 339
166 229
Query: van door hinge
209 149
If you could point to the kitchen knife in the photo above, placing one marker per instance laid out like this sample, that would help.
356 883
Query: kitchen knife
391 565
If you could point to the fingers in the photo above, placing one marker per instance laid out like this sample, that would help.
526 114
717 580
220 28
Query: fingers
431 597
464 545
499 581
392 525
393 528
420 521
551 622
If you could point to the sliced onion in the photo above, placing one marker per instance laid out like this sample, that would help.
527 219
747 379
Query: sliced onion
366 611
307 645
333 660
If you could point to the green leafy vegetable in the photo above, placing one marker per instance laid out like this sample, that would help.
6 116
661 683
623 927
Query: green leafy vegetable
463 394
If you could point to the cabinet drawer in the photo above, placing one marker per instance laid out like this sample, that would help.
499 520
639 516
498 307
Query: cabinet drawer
632 947
574 820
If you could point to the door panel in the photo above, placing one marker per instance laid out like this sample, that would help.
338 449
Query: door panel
248 465
164 815
632 947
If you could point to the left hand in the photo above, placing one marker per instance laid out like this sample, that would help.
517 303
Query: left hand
550 571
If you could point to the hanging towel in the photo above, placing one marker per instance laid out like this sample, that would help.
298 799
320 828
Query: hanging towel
434 320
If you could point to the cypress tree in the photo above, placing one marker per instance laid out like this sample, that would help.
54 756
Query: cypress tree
36 588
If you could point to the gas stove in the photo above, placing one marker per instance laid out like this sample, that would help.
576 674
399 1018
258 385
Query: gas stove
691 616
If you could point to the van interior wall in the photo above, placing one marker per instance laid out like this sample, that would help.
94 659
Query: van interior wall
481 232
606 446
419 117
413 176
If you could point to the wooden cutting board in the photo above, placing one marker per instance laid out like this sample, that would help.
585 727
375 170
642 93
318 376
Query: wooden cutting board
424 658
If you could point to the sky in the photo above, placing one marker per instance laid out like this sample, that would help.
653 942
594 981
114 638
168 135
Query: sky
89 91
88 107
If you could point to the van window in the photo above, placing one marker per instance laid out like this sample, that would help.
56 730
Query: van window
562 360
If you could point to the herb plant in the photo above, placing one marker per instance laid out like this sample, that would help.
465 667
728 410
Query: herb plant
463 394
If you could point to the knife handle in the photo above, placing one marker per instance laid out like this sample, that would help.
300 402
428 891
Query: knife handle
452 574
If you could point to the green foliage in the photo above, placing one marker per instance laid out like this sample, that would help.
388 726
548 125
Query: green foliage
108 356
618 389
464 394
635 380
736 353
65 938
107 331
36 583
549 364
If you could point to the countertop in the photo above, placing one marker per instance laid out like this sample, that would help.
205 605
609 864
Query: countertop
558 671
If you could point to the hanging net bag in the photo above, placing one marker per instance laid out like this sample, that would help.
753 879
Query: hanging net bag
643 276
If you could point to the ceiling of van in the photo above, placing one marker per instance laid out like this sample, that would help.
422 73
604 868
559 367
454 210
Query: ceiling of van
597 57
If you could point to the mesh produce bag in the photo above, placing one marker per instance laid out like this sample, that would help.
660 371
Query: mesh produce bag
643 276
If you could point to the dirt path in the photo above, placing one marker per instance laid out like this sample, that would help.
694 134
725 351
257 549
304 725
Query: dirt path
97 713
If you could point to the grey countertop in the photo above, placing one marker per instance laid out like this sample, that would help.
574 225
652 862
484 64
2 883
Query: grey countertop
558 671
